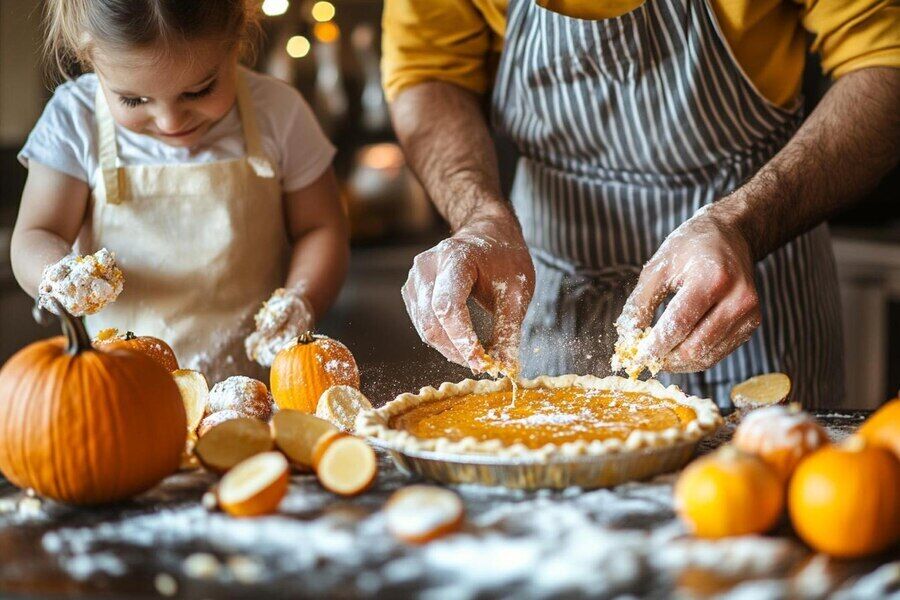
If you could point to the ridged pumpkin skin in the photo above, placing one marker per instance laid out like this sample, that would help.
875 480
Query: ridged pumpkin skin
303 371
729 493
883 427
781 436
153 347
845 500
89 428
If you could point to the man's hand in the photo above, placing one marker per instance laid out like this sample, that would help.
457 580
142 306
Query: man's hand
488 260
707 264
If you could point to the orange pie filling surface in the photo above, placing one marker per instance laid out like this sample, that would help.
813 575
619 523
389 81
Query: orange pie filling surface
542 416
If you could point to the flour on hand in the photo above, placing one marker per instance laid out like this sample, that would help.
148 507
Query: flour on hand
82 284
281 319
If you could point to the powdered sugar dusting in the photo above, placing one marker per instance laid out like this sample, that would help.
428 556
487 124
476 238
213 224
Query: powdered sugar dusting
82 284
242 394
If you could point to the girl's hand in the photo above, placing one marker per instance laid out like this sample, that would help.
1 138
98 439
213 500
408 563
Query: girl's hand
82 284
489 261
285 316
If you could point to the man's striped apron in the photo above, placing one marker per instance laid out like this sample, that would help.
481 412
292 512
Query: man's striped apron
626 127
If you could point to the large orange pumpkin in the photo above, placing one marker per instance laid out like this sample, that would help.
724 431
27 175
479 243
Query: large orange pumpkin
87 426
883 427
155 348
845 500
781 436
729 493
305 369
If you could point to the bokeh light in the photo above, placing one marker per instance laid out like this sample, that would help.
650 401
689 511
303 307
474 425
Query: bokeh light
297 46
326 32
323 11
273 8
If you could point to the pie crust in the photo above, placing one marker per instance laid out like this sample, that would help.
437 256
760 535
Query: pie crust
377 423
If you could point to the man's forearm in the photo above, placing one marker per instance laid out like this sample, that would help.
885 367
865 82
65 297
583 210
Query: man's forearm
445 137
847 144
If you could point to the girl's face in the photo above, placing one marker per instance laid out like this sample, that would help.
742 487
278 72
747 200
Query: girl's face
174 97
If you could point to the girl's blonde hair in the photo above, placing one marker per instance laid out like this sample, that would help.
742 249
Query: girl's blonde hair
75 27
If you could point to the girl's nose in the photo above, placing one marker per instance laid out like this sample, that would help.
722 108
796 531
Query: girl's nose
170 121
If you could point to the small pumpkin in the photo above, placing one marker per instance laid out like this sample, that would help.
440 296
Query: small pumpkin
883 427
844 500
155 348
781 436
729 493
87 426
302 371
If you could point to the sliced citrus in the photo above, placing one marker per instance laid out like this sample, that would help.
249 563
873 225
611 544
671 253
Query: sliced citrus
347 467
296 433
340 404
762 390
194 393
420 513
231 442
255 486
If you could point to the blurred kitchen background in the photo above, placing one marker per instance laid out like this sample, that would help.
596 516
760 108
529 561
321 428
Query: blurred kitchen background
330 51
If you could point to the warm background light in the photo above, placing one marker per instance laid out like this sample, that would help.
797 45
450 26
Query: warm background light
298 46
273 8
323 11
326 32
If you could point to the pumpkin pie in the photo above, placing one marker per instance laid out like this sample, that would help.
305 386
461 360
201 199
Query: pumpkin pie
569 415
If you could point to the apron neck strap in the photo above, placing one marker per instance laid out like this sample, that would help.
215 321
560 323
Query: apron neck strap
109 169
257 158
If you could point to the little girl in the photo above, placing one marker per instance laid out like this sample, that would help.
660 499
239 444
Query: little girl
209 184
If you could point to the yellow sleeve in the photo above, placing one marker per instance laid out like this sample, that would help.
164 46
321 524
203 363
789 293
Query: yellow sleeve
852 34
444 40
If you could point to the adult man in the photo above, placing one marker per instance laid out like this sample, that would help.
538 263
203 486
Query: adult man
665 132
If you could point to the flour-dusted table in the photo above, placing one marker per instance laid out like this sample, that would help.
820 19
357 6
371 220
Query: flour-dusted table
572 543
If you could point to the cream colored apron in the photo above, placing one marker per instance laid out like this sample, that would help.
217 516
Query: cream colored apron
201 246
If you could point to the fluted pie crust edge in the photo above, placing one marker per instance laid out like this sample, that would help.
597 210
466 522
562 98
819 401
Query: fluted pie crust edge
375 423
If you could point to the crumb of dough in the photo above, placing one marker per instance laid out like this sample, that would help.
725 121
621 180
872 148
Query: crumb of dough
82 284
629 355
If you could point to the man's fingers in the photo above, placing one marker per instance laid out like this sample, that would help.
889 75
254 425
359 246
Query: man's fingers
651 289
728 325
417 293
689 305
510 305
452 287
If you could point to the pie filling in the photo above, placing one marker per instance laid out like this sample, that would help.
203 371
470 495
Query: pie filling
543 416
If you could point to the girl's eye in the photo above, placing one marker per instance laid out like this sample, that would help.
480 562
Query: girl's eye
201 93
132 101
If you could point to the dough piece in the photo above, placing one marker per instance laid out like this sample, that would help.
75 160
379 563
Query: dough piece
340 404
82 284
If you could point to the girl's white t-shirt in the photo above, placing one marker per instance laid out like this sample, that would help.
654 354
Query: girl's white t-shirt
65 137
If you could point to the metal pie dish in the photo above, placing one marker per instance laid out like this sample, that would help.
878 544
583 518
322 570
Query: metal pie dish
589 464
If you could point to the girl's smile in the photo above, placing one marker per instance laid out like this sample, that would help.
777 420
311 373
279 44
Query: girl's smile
175 97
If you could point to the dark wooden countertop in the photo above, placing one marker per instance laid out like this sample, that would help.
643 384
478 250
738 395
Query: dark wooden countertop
542 544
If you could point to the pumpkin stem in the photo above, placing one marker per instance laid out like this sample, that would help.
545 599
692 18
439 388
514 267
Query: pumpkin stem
129 335
306 337
73 328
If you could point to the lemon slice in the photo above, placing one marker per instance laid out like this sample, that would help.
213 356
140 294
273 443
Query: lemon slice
231 442
347 466
420 513
255 486
762 390
340 404
194 394
296 434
